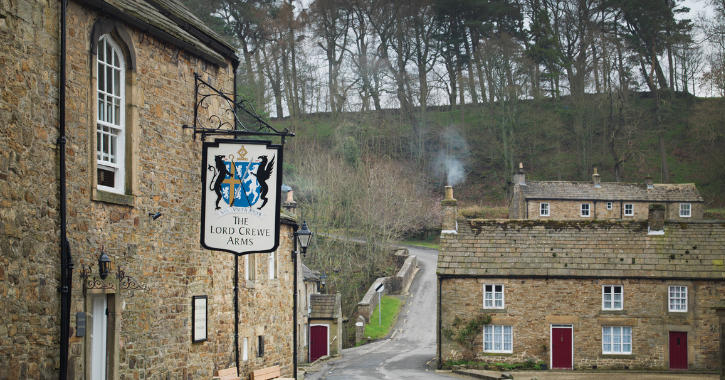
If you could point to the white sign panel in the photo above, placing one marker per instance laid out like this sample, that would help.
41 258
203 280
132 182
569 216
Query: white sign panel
241 196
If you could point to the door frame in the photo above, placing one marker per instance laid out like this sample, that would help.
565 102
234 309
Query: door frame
327 338
551 342
669 351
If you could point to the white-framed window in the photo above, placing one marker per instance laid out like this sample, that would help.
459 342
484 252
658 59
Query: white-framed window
612 297
250 268
273 265
685 210
110 116
609 205
617 340
493 296
628 209
245 349
585 209
498 339
677 298
544 209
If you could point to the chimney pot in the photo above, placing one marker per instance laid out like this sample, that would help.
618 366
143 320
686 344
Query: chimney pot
520 176
450 213
649 181
597 179
656 219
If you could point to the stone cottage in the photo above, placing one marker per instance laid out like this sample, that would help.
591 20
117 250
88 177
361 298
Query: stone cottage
111 156
601 200
325 323
583 294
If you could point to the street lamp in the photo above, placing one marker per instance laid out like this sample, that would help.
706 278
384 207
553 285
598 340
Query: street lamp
323 282
303 238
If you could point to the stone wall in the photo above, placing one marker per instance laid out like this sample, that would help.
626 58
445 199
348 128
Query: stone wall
154 336
402 279
370 300
559 209
579 302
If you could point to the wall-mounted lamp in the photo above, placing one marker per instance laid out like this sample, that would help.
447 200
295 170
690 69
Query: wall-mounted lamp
155 216
104 265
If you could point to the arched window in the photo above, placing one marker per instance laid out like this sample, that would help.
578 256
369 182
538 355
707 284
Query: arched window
110 120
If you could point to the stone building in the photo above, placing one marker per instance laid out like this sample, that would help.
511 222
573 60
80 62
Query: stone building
325 323
584 294
601 200
133 192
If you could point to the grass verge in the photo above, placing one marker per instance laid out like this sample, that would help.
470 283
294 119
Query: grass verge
421 243
391 306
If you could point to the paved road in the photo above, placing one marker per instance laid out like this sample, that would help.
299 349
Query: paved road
410 353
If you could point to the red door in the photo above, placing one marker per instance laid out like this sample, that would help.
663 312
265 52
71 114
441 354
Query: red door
561 347
318 342
678 350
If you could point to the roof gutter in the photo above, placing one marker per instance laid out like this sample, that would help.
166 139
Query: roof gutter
100 5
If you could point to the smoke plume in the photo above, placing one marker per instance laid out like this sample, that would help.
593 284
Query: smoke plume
450 158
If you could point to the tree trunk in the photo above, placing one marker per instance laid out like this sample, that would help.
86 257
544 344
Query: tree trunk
663 157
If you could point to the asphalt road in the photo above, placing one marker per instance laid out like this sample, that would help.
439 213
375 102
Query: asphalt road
410 352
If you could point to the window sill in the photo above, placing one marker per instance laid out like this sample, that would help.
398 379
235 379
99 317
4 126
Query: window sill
498 354
249 284
612 312
503 311
274 282
108 197
617 356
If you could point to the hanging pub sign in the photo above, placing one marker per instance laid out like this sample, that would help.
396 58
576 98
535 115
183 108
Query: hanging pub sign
240 201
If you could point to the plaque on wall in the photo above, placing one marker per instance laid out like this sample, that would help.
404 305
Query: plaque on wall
198 318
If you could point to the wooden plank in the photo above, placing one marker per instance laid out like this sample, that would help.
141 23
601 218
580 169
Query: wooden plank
265 373
226 372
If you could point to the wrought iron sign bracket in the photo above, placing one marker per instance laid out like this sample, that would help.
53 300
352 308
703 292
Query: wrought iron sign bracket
245 121
125 282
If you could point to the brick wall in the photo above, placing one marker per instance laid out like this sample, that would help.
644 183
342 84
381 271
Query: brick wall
532 305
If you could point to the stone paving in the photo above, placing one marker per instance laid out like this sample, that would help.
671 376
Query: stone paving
590 375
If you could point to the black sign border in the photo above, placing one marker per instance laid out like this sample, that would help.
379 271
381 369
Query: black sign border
278 190
193 319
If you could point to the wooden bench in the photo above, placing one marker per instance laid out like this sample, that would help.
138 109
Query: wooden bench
268 373
226 374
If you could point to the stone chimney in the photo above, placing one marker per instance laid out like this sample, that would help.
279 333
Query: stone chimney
596 178
290 205
450 213
656 219
520 176
649 181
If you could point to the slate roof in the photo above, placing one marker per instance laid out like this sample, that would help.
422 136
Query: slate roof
170 17
309 274
323 306
613 249
611 191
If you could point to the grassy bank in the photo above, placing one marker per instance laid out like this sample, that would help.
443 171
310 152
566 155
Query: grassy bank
391 307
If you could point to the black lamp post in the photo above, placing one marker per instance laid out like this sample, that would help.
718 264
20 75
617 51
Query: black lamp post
104 265
303 237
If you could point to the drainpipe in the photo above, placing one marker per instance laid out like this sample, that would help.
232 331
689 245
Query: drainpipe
66 261
440 356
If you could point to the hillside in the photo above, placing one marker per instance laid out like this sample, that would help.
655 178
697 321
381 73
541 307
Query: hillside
555 139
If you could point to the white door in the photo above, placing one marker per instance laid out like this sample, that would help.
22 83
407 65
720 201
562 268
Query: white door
98 337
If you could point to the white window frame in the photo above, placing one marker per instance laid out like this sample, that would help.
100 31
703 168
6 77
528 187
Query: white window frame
245 349
629 212
685 210
609 205
494 337
544 209
272 262
677 298
490 296
613 300
250 269
586 209
116 127
619 337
